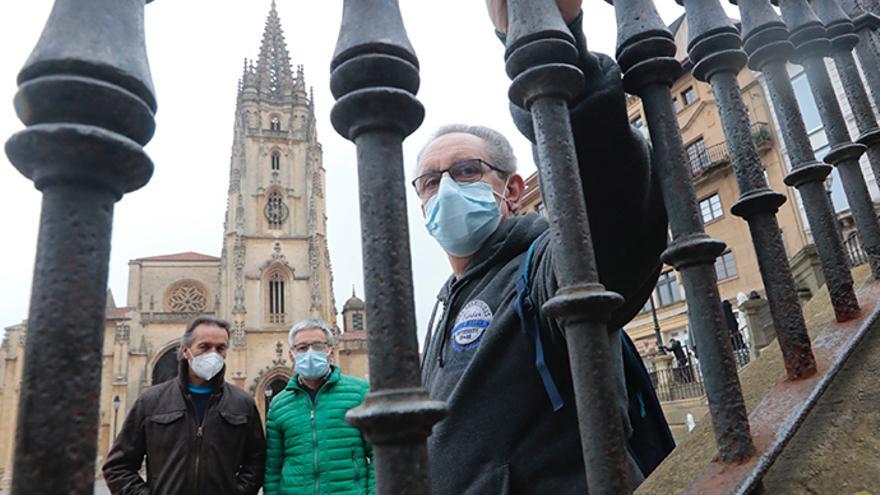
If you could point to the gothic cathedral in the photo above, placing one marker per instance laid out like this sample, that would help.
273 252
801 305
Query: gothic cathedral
273 270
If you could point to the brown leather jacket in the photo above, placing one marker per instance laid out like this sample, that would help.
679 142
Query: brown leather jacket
224 455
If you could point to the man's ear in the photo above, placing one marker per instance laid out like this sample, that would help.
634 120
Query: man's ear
290 355
516 188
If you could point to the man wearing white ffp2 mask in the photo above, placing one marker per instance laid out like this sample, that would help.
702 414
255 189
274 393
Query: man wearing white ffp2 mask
197 420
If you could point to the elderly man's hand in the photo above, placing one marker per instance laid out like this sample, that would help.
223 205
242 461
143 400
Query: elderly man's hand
498 11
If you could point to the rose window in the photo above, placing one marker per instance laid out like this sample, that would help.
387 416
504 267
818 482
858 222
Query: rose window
187 297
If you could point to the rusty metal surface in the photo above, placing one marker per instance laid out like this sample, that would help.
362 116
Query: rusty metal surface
86 97
715 48
645 52
766 40
374 77
842 31
778 416
540 58
868 49
813 42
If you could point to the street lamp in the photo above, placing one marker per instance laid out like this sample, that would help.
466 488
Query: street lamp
657 333
268 392
116 403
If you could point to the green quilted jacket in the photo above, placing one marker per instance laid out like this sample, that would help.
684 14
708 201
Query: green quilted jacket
311 450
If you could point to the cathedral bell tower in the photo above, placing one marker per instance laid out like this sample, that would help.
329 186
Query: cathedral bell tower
275 267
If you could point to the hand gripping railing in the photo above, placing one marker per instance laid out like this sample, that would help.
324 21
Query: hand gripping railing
645 52
714 47
811 46
374 77
540 59
86 97
765 39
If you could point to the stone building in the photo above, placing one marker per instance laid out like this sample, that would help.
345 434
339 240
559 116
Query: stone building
273 270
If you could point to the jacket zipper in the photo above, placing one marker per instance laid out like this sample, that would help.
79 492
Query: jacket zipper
199 435
441 329
198 451
315 447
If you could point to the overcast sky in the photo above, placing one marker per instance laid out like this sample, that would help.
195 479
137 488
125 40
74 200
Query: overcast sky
196 49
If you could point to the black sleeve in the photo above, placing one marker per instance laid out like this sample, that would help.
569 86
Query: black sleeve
250 476
125 458
621 189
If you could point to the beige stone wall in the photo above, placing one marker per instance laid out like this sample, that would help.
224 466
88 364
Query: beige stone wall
351 354
155 278
12 362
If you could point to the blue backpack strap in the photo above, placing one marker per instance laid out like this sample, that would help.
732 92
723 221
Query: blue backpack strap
528 318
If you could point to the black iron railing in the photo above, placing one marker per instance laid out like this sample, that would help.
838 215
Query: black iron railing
708 159
854 252
718 155
686 381
86 97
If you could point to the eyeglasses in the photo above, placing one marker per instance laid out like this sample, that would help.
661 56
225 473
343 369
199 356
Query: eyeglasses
318 346
463 172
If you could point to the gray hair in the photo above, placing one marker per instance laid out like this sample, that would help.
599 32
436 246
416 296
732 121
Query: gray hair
499 148
309 324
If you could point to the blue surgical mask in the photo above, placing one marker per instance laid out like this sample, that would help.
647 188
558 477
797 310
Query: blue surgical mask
462 216
312 364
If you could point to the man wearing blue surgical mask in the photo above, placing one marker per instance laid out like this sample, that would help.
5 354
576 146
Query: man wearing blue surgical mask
310 447
511 425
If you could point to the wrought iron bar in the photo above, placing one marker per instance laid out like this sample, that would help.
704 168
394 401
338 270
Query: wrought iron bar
715 49
811 41
868 49
645 52
841 30
540 58
86 97
766 40
374 77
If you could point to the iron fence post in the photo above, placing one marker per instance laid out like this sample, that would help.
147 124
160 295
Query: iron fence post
645 52
868 49
540 58
715 49
841 30
374 78
766 40
811 46
86 97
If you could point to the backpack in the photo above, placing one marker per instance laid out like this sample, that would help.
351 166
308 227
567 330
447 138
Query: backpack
651 440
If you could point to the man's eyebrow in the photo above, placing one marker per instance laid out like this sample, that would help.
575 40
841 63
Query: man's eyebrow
461 157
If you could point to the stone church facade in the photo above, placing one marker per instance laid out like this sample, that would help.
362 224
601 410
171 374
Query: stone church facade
274 267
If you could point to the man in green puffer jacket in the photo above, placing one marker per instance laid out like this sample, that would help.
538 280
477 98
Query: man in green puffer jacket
310 448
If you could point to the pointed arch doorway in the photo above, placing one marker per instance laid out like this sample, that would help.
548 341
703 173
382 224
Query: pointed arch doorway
273 388
166 367
268 384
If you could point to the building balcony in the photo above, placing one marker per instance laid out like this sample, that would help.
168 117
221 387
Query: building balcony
710 158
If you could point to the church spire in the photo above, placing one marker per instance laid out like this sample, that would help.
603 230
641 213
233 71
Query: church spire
274 74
